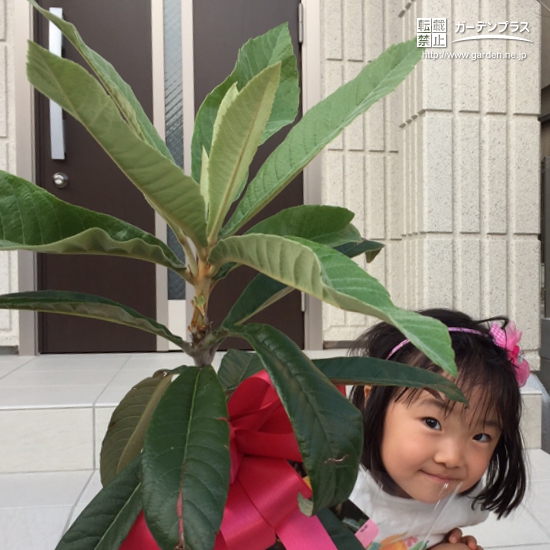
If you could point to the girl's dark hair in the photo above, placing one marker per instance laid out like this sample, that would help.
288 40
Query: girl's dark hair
480 363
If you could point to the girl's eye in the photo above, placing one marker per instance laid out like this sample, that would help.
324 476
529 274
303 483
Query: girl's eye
432 423
484 438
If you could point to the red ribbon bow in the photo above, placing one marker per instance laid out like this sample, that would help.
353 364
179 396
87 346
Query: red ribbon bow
262 503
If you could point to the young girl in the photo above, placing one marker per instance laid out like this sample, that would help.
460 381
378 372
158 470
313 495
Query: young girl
420 447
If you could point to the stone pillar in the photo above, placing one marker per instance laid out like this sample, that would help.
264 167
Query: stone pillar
361 167
445 171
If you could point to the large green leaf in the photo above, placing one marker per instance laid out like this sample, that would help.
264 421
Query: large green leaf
256 55
237 132
33 219
173 194
260 293
323 224
119 90
327 427
237 366
332 277
373 371
321 124
263 291
263 51
310 221
186 462
370 249
87 305
128 425
106 521
341 536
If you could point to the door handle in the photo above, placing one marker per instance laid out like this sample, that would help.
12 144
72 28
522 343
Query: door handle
57 128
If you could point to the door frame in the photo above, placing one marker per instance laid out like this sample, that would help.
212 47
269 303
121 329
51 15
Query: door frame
25 150
25 161
311 94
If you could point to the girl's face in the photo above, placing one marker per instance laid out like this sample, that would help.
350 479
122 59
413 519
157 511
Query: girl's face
428 450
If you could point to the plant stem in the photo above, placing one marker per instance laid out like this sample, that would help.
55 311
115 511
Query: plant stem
184 274
189 254
200 326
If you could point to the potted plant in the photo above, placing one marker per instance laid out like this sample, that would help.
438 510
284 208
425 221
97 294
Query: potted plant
171 448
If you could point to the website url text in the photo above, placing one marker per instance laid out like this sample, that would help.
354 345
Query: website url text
474 56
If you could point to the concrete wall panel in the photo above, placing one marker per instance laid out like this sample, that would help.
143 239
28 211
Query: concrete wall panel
9 320
437 176
495 280
523 143
494 173
467 173
439 273
467 288
376 197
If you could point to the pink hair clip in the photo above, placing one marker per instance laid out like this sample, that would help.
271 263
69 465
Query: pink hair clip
508 339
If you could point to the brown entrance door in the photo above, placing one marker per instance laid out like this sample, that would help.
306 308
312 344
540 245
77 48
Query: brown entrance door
220 28
121 32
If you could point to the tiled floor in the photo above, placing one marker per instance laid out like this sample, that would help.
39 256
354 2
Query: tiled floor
54 411
36 508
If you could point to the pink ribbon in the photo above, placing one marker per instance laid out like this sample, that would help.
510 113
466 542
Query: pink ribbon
263 496
262 503
509 339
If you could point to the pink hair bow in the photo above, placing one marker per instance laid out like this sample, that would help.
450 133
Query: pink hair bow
509 339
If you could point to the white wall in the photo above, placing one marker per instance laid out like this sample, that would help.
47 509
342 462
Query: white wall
9 331
445 172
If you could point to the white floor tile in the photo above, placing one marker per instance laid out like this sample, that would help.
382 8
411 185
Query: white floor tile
77 510
12 364
43 379
101 423
32 528
131 376
52 397
92 488
169 360
78 361
5 370
539 466
531 426
15 360
42 489
112 395
520 528
538 503
46 440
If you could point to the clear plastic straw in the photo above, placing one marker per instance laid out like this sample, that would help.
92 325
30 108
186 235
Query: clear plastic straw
440 507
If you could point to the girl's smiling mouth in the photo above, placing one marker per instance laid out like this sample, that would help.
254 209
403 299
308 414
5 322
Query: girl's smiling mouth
441 478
